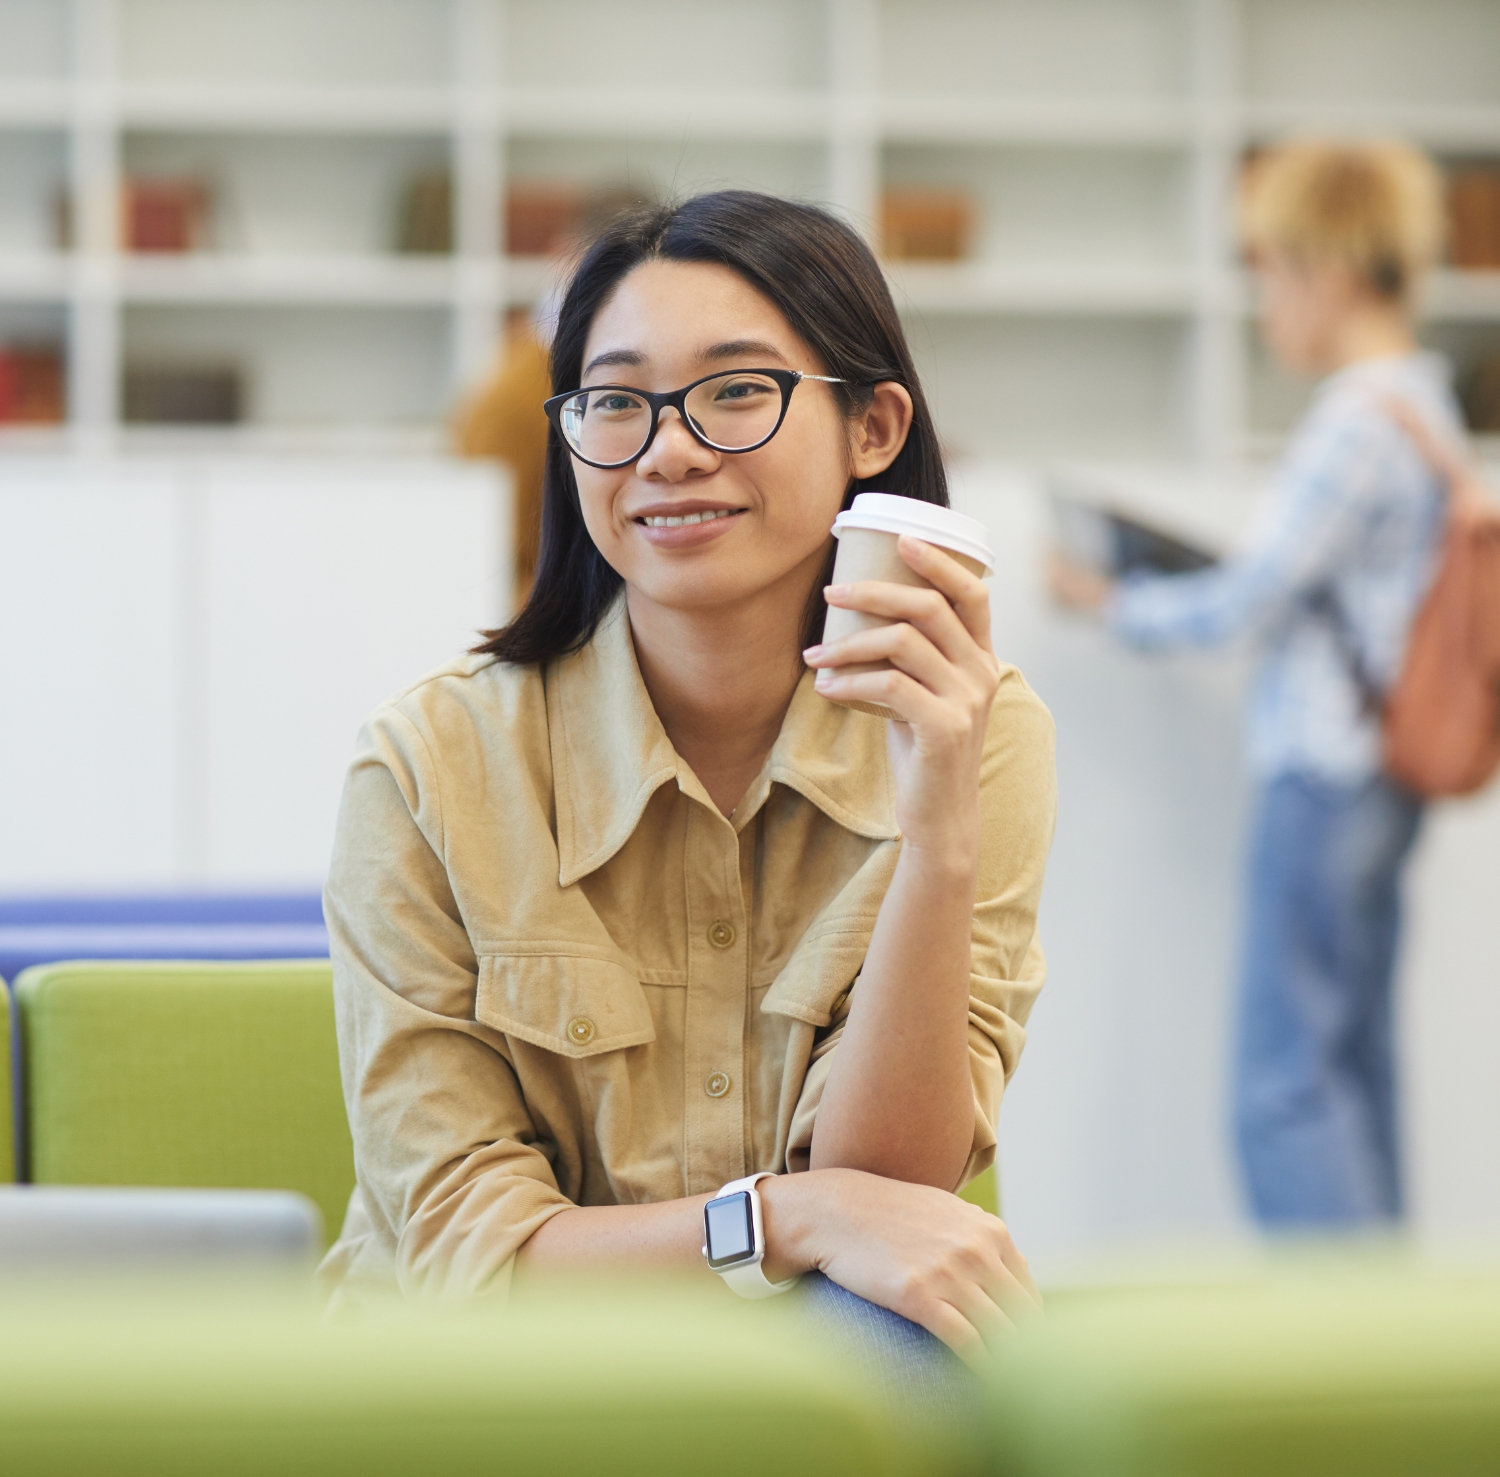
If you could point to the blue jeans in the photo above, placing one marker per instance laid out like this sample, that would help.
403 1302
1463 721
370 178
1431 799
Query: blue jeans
1315 1099
898 1354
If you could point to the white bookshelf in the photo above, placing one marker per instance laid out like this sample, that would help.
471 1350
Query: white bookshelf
1103 310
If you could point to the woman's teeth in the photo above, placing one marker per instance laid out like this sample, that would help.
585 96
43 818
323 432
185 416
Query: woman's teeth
707 517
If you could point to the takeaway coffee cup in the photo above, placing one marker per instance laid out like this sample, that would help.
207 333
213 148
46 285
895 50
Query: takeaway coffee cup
868 533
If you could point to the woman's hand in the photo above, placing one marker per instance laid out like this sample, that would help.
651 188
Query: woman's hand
942 679
1075 586
918 1251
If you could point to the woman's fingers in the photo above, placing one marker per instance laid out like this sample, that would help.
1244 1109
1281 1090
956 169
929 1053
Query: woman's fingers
966 592
975 1317
887 688
943 1321
1018 1267
980 1309
966 1319
900 644
928 610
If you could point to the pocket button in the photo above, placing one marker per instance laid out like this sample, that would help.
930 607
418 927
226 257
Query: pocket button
721 933
580 1030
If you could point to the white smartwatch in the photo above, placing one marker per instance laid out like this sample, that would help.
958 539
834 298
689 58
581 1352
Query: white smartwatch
734 1239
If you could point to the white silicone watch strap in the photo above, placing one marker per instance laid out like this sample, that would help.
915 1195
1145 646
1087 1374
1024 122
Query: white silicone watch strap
747 1278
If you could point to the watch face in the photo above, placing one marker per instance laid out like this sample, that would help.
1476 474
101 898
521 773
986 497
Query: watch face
731 1230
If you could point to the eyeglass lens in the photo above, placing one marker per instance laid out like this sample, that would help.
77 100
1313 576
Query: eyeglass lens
732 412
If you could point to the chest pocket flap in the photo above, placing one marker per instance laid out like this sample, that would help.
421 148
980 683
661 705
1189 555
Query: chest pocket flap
574 1006
821 969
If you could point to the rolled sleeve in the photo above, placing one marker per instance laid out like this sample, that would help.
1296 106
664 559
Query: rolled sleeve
446 1154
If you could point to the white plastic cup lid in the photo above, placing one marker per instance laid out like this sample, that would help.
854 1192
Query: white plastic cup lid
885 512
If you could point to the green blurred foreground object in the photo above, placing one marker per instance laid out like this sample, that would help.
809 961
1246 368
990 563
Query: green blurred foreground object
1376 1371
245 1383
187 1074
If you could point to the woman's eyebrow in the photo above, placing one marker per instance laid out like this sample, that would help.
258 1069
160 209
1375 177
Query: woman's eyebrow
631 357
740 348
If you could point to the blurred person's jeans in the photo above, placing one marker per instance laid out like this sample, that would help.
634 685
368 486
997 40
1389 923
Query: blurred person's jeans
1315 1106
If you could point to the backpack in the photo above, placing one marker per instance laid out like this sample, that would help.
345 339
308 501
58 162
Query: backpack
1440 719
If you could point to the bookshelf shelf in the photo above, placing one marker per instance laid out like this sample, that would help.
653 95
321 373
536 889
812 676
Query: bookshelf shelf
1102 125
293 108
26 104
587 112
1098 144
1437 126
27 276
985 288
304 279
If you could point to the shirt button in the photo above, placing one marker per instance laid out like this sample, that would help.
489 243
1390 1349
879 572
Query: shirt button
718 1084
580 1030
721 933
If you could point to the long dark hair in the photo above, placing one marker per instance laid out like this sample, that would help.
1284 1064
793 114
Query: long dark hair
828 287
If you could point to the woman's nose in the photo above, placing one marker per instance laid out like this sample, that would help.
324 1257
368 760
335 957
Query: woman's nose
674 451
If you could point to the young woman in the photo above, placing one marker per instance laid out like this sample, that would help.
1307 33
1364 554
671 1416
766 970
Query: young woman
623 907
1330 582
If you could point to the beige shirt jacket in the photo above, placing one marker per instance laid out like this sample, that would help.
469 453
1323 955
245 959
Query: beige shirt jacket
563 977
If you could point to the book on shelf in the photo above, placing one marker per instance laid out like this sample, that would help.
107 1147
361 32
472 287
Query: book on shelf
425 223
183 395
543 217
31 386
165 214
926 225
1474 218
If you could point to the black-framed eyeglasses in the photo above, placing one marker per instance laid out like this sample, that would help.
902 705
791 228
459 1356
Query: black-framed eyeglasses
610 426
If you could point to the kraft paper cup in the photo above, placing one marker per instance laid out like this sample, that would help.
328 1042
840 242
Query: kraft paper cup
868 533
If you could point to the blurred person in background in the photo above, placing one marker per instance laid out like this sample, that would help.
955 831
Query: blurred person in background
621 907
503 420
1329 583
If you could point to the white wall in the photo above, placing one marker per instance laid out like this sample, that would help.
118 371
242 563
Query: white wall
187 649
1115 1130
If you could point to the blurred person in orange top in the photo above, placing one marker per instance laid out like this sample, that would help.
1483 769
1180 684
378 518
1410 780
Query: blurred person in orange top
503 419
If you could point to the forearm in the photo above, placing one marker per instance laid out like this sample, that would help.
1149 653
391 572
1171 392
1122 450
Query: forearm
666 1236
899 1100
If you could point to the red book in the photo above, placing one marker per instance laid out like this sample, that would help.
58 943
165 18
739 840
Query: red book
31 387
165 215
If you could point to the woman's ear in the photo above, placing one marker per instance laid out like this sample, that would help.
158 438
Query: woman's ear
876 436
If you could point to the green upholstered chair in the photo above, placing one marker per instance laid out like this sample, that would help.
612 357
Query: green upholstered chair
658 1384
7 1122
984 1190
1333 1370
195 1074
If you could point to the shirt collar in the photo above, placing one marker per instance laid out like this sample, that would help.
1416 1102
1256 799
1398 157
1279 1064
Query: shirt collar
610 754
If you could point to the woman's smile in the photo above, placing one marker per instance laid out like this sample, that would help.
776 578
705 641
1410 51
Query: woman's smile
686 524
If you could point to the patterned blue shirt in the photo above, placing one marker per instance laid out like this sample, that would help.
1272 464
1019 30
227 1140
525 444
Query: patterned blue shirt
1354 517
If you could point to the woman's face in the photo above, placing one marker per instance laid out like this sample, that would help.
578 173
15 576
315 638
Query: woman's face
1303 311
668 324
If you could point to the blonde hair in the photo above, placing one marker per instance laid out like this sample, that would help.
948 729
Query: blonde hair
1373 207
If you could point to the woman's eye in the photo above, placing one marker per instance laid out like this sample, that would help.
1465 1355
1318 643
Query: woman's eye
741 390
616 404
